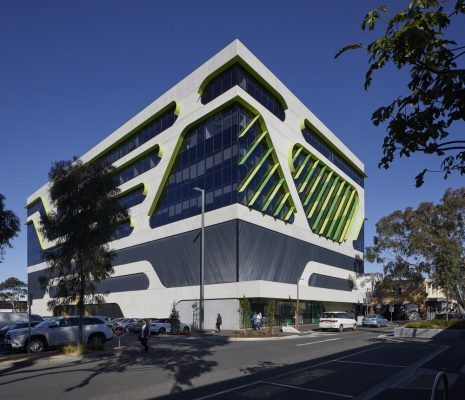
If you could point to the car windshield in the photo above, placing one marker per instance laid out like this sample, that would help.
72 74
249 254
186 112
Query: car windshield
330 315
46 323
371 316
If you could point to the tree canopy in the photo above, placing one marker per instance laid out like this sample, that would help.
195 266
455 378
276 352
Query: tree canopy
12 290
9 227
428 241
421 121
86 215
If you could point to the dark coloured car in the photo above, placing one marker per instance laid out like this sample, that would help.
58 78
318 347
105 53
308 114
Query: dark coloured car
19 325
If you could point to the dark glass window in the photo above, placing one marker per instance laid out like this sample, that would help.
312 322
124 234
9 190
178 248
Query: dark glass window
138 167
132 198
37 206
215 169
35 253
315 141
236 75
122 231
359 243
140 136
330 282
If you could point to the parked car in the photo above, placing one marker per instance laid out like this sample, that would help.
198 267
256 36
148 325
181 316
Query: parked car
163 325
124 323
451 316
19 325
374 320
10 318
135 327
60 331
338 320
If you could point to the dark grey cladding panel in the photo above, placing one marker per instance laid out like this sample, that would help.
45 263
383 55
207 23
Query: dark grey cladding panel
330 282
176 259
272 256
262 254
117 284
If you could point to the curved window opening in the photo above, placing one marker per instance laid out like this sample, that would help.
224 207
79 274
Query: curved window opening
140 136
314 139
330 282
137 167
236 75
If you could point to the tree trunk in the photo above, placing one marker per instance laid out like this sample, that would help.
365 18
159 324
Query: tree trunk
81 306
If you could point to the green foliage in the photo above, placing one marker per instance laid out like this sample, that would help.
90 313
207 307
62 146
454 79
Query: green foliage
436 324
11 291
86 215
174 319
9 227
271 313
415 38
245 313
427 241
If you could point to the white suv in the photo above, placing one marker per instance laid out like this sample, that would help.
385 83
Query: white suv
338 320
60 331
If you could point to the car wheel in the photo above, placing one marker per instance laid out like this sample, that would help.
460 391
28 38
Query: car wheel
354 327
96 339
162 331
186 329
341 328
36 345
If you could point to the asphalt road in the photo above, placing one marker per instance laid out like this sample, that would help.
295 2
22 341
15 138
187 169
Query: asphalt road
320 365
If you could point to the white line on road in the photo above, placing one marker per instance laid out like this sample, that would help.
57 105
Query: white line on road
368 363
319 341
307 390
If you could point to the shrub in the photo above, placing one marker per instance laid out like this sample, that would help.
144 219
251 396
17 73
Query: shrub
437 324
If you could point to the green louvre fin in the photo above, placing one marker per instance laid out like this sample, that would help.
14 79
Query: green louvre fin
331 202
260 181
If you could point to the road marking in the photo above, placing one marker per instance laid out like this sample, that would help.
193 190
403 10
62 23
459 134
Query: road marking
367 363
319 341
306 389
359 352
225 391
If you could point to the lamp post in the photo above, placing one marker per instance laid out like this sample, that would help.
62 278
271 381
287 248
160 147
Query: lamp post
202 259
297 305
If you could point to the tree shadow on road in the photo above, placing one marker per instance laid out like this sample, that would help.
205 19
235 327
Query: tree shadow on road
184 358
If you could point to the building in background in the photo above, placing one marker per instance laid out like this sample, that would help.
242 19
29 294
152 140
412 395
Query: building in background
284 202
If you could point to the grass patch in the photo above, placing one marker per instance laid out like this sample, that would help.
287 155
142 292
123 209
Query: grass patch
266 332
81 348
437 324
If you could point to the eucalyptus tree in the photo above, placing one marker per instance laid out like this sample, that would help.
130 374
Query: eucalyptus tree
420 39
85 217
9 227
428 241
13 291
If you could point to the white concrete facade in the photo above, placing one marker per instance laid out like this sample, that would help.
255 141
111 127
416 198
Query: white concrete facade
157 299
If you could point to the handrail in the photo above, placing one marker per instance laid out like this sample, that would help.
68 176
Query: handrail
434 392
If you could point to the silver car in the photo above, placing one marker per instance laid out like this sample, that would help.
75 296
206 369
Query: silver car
374 320
60 331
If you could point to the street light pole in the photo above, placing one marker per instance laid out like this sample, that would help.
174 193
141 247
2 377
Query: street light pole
297 305
202 259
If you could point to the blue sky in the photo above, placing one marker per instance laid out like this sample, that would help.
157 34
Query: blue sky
72 72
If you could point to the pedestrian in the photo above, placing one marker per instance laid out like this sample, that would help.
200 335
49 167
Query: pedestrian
219 321
254 321
259 321
145 335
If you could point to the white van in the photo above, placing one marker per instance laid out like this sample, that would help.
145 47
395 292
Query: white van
10 318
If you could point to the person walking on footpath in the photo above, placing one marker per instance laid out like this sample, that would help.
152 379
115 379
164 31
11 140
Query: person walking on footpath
219 321
254 321
145 335
259 321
